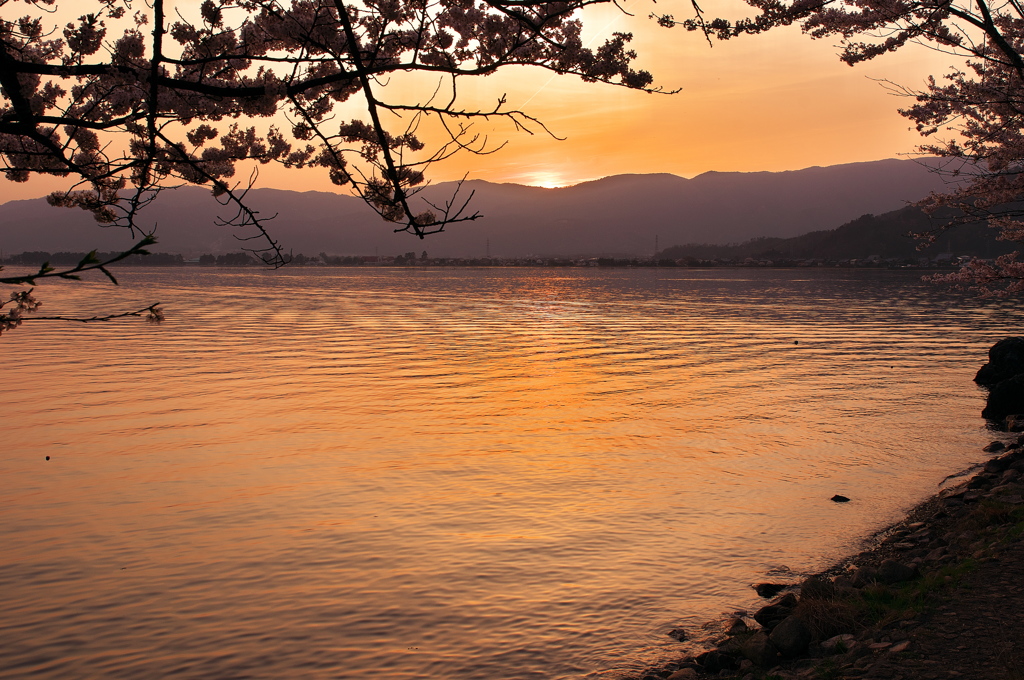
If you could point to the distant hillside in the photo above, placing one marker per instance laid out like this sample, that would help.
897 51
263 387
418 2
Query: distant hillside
885 236
621 215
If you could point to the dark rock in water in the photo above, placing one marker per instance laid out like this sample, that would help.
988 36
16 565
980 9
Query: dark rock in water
787 600
1005 398
760 650
791 637
840 499
1005 360
679 634
1003 375
891 571
737 626
994 447
769 590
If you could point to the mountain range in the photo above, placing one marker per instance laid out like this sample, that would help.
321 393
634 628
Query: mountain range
622 215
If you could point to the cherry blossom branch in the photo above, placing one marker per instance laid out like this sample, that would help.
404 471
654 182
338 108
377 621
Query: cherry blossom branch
69 93
24 304
153 314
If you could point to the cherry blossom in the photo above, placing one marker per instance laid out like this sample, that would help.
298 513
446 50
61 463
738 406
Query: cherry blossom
130 99
972 117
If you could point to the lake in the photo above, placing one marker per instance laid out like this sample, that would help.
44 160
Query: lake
457 473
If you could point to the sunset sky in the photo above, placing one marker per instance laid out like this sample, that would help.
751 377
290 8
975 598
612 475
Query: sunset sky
778 101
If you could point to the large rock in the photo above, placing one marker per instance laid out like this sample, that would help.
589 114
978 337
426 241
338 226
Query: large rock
864 576
838 644
714 661
759 649
1005 398
768 590
771 614
791 637
1005 360
737 626
891 571
1003 375
684 674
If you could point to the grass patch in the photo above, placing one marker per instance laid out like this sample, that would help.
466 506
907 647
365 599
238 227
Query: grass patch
991 512
878 604
881 605
830 616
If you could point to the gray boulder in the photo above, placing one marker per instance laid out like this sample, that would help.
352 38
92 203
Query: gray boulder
864 576
791 637
761 652
838 644
771 614
684 674
891 571
737 626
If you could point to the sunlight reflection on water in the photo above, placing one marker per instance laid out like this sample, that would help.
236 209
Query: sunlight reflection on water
497 474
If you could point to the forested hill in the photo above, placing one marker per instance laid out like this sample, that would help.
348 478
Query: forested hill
884 236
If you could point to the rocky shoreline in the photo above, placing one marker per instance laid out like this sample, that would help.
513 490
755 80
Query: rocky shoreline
871 614
936 595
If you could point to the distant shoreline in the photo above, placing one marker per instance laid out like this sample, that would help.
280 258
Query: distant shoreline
174 261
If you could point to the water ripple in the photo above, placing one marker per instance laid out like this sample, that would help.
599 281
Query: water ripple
456 473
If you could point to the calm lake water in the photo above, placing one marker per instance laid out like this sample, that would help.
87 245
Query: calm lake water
455 473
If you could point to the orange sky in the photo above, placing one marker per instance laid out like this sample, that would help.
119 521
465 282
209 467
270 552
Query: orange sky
778 101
